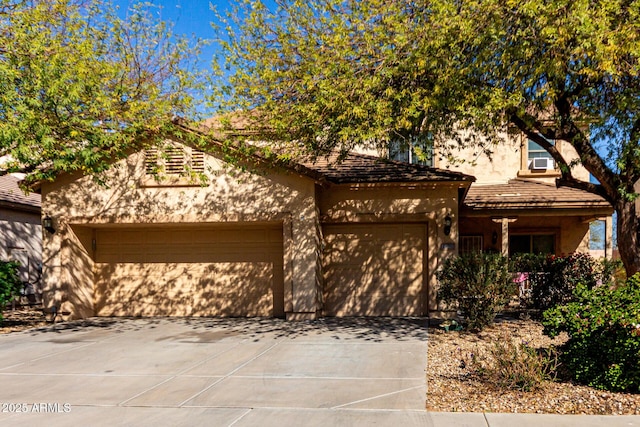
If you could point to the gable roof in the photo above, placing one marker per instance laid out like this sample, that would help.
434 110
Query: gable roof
12 196
519 194
335 169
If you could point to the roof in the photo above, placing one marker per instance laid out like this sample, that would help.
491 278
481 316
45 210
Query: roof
524 194
347 169
11 195
362 168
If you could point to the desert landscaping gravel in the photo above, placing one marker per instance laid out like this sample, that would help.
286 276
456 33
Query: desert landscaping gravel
450 388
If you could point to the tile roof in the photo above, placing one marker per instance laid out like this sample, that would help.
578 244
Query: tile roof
522 194
362 168
11 194
349 169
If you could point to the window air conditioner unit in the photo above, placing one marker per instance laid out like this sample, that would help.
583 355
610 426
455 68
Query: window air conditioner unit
542 164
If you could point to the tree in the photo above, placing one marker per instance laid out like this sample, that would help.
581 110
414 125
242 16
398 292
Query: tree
332 74
80 86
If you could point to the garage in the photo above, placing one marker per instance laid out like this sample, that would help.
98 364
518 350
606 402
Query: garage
375 270
189 270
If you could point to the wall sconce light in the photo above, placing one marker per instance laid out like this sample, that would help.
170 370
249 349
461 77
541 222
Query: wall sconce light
494 238
447 225
47 224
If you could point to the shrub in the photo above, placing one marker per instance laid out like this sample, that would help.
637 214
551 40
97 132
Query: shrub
479 283
603 324
10 284
512 365
554 278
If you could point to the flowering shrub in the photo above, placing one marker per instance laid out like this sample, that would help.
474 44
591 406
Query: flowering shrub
554 278
603 325
10 284
479 283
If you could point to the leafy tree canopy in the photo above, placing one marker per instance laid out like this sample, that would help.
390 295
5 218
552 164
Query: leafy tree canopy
80 86
332 74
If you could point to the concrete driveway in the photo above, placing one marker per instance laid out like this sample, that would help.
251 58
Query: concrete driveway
237 372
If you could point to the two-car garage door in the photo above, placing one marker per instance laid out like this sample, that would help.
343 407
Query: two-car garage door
375 270
215 270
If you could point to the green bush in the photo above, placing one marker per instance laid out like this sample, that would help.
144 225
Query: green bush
479 283
554 278
10 284
512 365
603 324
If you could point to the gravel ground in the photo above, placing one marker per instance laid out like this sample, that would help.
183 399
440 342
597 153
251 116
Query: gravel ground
451 388
21 319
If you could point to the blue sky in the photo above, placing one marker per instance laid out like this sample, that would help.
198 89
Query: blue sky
192 18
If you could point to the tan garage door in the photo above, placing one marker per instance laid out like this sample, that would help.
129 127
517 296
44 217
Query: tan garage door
189 271
375 270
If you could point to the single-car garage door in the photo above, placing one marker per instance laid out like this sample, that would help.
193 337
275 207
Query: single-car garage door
375 270
216 270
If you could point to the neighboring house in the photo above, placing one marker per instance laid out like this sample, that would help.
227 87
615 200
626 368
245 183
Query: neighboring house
361 237
21 232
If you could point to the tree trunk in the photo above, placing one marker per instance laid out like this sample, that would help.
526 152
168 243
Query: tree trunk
628 236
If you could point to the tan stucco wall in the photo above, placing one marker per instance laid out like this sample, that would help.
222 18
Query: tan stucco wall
429 204
507 162
232 195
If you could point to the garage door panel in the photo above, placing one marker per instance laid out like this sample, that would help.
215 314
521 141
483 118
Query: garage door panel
139 274
375 270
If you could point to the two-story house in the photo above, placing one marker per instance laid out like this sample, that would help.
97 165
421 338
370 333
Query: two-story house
260 237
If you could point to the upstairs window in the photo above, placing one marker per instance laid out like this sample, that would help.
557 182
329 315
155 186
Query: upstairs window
174 160
539 159
416 150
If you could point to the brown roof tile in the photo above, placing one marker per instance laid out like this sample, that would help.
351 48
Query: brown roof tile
10 193
361 168
522 194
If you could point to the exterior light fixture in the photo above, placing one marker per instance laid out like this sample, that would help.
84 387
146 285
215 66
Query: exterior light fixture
47 224
447 225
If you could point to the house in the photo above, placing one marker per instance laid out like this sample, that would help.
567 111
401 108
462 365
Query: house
360 237
21 232
514 205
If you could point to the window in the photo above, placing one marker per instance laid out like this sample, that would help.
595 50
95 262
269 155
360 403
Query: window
174 160
532 244
416 150
538 158
470 244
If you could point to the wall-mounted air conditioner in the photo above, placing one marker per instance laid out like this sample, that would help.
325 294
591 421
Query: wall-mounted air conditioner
542 163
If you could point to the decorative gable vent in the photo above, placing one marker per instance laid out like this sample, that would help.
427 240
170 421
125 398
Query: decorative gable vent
174 160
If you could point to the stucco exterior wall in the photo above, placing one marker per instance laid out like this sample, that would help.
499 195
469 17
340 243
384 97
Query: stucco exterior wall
507 162
231 195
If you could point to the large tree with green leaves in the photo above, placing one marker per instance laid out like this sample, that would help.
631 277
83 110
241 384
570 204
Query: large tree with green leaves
82 84
330 74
